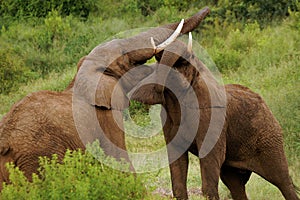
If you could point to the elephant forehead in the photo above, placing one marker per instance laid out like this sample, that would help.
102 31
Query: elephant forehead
108 51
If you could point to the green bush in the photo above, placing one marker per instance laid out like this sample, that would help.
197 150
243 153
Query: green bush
13 72
33 50
78 176
149 7
229 53
251 10
295 16
37 8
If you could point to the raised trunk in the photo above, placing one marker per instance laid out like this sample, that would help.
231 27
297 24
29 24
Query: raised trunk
160 34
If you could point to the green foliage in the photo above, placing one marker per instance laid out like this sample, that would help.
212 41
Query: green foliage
251 10
37 8
295 16
12 71
137 107
78 176
226 11
228 54
51 44
149 7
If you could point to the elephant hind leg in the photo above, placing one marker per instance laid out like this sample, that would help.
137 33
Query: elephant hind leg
235 179
4 175
275 170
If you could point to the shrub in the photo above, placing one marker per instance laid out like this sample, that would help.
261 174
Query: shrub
149 7
12 71
251 10
78 176
33 8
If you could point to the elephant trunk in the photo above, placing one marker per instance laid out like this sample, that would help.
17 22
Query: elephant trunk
192 22
145 49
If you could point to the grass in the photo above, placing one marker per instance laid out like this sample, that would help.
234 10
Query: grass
256 188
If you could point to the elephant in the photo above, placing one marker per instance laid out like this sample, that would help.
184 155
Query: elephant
46 122
228 127
39 125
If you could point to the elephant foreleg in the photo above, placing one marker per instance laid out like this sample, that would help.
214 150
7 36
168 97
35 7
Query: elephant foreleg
179 169
211 168
210 173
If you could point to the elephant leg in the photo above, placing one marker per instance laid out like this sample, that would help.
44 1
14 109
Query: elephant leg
4 175
211 167
179 170
113 137
274 168
210 173
235 180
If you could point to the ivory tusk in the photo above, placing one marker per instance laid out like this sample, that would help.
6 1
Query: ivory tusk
171 39
153 43
190 43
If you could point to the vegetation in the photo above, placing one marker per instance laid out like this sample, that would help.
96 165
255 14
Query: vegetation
79 176
256 44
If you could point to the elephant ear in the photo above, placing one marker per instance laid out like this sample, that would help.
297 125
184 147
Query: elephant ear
97 87
109 94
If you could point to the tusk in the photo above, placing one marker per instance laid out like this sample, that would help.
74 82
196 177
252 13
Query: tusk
153 43
171 39
190 43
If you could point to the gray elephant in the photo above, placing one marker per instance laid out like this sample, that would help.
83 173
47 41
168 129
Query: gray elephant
45 122
230 128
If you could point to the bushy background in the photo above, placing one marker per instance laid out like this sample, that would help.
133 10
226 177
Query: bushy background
78 176
254 43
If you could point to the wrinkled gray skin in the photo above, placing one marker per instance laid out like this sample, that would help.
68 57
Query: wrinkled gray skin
250 139
45 122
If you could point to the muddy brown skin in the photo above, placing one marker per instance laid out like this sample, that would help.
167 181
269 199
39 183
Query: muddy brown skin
44 123
250 141
39 125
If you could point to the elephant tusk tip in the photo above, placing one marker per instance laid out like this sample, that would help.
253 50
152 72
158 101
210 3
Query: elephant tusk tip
171 39
153 43
190 43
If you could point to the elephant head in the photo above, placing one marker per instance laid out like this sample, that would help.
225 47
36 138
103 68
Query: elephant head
108 62
184 71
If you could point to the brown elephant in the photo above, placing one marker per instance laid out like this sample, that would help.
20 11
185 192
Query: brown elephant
45 122
230 128
39 125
